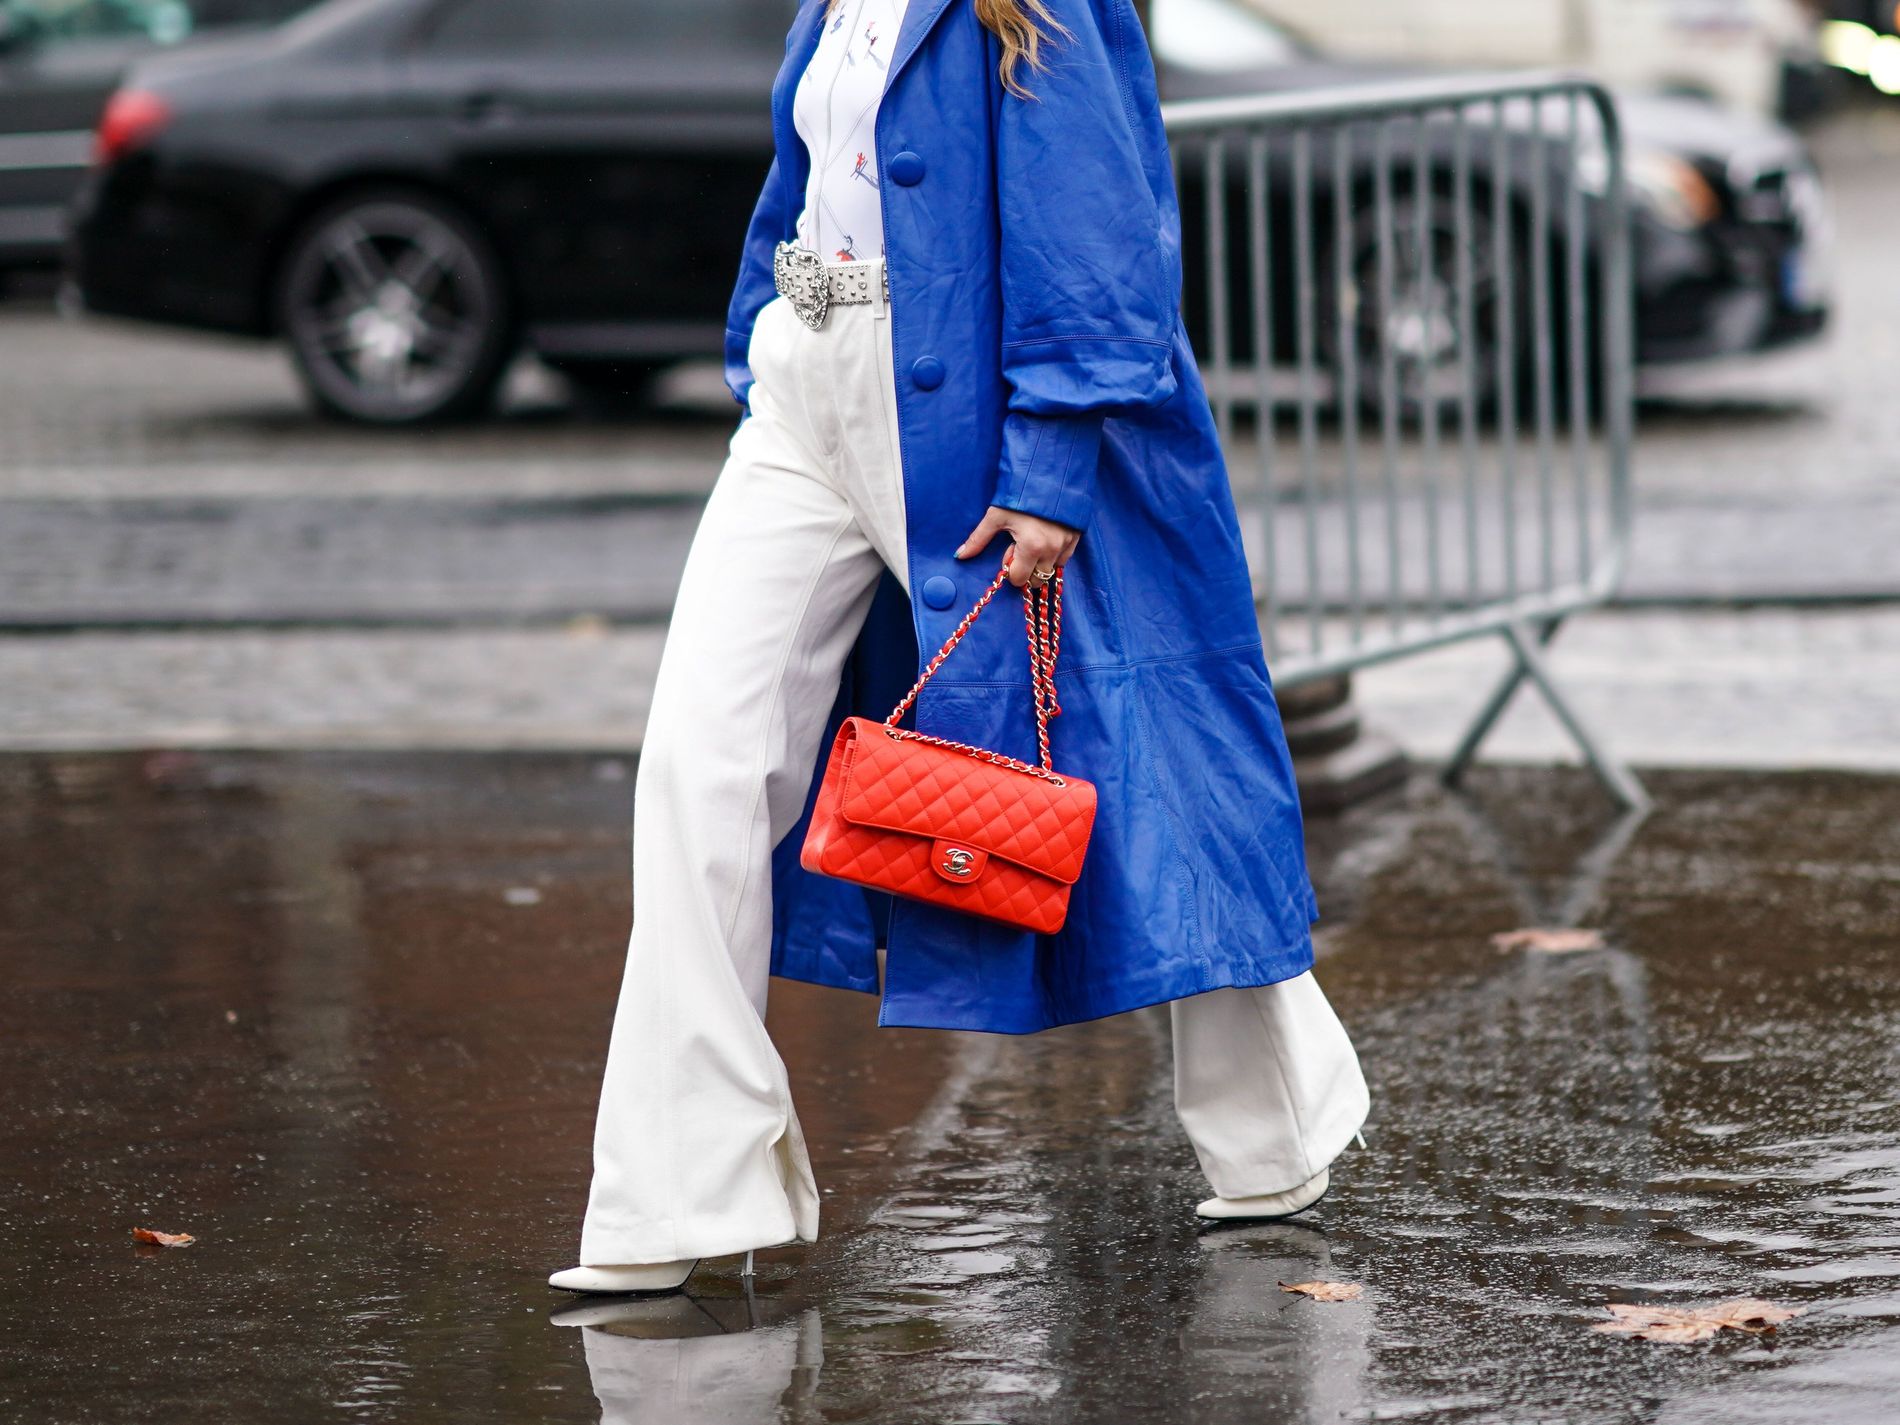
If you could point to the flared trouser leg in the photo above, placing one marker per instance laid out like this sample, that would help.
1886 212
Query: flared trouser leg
1266 1083
697 1148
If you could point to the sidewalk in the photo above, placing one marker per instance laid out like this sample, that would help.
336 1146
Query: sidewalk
1704 688
1766 688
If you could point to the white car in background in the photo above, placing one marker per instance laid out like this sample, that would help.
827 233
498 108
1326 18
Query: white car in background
1736 52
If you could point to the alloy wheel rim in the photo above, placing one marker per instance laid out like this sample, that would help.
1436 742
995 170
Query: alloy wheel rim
1425 328
389 310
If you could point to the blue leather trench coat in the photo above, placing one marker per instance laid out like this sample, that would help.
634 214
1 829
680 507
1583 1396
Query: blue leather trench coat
1034 266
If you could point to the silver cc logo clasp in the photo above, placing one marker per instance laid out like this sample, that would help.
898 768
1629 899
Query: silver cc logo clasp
959 863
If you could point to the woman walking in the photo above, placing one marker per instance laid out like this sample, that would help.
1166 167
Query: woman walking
956 335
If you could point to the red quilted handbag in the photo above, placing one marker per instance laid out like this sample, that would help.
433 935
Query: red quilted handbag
954 825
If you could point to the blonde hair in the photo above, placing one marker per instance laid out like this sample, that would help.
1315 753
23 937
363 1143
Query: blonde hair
1023 27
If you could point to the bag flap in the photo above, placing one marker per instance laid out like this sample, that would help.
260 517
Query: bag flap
898 784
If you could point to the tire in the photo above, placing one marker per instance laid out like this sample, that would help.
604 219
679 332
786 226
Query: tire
395 309
1426 327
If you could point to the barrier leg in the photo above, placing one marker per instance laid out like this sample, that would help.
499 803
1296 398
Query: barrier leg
1529 666
1493 709
1619 779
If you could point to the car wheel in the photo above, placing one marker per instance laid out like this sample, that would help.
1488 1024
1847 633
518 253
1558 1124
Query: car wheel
395 309
1436 338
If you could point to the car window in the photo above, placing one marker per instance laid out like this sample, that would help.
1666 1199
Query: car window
1218 35
49 22
514 27
44 23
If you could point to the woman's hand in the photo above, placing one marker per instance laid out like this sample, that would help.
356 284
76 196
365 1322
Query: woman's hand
1039 547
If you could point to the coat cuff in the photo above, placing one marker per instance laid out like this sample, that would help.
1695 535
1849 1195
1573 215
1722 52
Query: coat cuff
1049 466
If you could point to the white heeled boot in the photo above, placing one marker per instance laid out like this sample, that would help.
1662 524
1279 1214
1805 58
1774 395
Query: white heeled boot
1269 1205
653 1278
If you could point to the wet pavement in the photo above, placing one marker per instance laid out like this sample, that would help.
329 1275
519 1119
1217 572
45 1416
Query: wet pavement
342 1016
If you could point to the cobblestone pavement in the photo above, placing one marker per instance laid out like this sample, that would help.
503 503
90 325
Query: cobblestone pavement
1673 688
362 559
152 479
1706 687
97 409
580 686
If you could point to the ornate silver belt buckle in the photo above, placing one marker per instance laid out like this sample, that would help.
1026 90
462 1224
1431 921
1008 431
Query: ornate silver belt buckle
800 276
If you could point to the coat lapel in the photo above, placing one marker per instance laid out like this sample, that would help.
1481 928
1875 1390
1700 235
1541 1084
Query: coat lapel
918 19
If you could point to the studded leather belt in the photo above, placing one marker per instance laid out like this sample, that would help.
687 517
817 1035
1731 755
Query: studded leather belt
813 286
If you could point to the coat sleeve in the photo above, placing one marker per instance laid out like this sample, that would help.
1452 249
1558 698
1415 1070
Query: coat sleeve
754 287
1089 253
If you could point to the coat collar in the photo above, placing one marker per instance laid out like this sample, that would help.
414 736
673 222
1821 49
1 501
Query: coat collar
918 19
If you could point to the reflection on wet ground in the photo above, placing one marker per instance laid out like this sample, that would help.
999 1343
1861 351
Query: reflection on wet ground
342 1017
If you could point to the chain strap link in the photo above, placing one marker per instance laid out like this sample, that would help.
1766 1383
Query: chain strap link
1042 615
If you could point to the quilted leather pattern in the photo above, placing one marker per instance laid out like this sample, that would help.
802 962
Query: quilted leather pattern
885 802
932 791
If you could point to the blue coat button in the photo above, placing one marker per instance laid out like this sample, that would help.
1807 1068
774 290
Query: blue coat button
927 372
906 169
939 592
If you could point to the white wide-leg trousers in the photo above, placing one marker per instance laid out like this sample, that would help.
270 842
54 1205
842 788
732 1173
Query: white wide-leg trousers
697 1150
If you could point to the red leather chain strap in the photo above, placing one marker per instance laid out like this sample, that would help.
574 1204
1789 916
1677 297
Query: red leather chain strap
1042 614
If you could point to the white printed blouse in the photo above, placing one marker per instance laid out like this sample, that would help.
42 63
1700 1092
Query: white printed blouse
835 112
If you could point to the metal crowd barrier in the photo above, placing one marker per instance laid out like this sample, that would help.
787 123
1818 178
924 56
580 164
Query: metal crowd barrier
1412 302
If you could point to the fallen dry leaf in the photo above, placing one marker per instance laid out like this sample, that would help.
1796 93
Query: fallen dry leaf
1549 941
1694 1323
1324 1291
162 1239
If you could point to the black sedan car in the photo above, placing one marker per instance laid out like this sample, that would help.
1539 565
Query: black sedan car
410 191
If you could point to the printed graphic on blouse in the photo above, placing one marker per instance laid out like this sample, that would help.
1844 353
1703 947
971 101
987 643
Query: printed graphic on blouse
835 113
